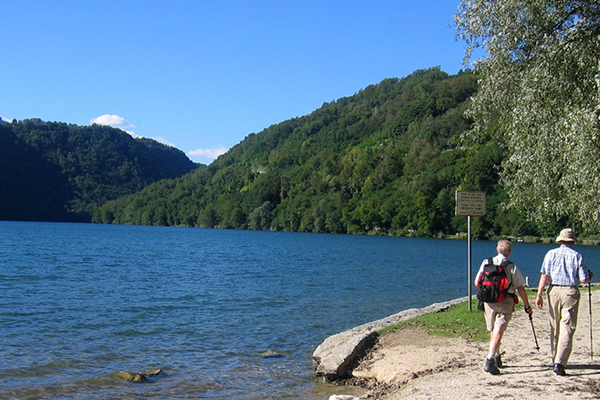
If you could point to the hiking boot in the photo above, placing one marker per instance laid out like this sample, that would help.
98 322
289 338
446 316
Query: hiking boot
498 361
490 366
559 369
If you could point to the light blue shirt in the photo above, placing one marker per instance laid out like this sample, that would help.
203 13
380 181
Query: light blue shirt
564 266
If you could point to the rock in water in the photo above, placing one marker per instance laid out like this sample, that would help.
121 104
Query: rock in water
132 376
152 372
270 354
138 376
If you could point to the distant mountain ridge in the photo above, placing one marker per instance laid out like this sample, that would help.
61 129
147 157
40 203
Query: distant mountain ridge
53 171
384 161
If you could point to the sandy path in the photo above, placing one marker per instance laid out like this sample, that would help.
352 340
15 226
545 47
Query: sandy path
411 364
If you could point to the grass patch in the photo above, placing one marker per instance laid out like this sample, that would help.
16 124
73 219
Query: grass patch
455 321
458 321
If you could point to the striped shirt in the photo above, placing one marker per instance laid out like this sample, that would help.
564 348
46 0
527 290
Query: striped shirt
564 266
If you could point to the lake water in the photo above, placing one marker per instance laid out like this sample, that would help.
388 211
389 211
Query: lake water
81 302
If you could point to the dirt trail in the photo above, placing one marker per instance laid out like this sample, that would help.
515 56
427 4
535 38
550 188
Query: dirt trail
410 364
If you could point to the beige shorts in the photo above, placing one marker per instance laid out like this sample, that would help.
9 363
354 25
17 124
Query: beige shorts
497 315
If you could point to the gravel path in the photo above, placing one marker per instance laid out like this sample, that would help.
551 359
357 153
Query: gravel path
410 364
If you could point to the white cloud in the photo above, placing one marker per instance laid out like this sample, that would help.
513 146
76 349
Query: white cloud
208 153
115 121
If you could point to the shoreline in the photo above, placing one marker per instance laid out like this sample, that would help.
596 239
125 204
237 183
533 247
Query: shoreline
335 357
414 364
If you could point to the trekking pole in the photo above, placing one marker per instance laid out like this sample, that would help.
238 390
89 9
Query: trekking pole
590 304
537 346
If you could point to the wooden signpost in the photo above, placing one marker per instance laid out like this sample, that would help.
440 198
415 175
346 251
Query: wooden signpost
470 204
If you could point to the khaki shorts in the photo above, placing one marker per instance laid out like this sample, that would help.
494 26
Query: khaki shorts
497 315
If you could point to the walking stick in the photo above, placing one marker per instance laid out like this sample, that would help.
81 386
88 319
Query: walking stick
537 346
590 304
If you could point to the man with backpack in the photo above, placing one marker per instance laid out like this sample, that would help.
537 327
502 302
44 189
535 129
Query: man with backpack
497 281
563 270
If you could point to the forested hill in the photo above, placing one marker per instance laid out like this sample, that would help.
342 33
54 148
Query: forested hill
386 160
53 171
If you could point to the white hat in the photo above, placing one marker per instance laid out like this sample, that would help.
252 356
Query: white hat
566 235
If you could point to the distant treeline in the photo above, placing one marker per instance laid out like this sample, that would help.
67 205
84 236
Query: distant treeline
385 161
53 171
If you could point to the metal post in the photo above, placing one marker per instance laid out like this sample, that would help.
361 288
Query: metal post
591 320
470 272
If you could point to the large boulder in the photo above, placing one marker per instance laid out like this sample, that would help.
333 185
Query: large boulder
338 354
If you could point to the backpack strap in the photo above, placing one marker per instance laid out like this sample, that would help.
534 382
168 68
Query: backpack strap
504 264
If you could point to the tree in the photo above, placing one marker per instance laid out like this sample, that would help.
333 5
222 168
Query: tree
385 161
539 98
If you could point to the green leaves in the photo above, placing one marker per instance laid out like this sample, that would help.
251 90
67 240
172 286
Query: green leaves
539 97
380 162
53 171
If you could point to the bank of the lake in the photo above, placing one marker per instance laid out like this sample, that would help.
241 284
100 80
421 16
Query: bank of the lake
335 358
410 363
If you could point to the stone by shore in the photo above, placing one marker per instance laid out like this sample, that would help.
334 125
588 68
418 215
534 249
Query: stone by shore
334 359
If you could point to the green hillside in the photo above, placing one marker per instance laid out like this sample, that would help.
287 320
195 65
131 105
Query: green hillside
386 160
53 171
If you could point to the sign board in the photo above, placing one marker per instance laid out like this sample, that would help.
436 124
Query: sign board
470 203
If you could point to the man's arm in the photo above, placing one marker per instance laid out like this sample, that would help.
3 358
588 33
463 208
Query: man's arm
523 294
479 271
586 272
539 301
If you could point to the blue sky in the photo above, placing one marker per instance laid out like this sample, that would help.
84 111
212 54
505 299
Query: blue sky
202 75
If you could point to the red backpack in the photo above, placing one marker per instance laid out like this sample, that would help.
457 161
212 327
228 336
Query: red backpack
492 286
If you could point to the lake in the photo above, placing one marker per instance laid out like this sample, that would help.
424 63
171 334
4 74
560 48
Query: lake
81 302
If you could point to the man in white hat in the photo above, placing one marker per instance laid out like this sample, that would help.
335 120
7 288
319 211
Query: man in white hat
563 270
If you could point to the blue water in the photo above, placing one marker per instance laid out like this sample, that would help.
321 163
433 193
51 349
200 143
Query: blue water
81 302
